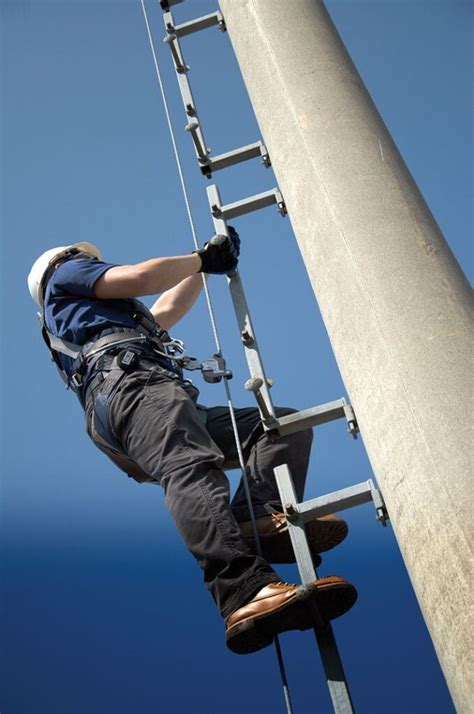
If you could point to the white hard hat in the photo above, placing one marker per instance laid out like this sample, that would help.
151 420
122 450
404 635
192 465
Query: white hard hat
41 265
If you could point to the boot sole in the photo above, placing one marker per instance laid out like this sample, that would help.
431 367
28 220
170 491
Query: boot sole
326 532
322 534
331 598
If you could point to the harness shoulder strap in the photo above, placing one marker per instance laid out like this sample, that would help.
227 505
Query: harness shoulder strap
59 345
53 352
56 343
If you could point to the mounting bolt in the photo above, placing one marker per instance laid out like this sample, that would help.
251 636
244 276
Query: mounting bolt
382 516
221 22
254 384
247 338
353 428
352 425
291 512
282 208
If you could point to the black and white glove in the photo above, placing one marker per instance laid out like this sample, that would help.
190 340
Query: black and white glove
220 255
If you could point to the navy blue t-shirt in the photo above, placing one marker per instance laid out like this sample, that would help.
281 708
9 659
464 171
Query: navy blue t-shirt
71 311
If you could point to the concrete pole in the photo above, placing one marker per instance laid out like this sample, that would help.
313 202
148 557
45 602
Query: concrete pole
393 298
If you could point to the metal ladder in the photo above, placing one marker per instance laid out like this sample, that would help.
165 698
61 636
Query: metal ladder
296 513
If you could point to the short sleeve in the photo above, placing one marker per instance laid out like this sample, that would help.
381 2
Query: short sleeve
79 276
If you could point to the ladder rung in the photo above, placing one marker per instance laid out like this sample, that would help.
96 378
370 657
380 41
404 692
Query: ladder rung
247 205
251 151
318 415
311 417
342 500
200 23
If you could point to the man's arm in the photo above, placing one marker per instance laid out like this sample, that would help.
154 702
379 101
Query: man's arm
148 278
176 302
219 255
175 277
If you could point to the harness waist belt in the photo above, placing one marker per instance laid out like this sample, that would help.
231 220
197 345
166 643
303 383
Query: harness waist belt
115 339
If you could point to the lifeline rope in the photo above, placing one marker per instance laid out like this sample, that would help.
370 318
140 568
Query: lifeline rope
216 336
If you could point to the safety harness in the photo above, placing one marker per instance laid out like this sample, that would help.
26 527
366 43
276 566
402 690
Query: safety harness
147 332
103 354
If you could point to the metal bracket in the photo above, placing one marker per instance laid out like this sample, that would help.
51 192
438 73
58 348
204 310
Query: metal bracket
352 425
200 23
251 151
381 512
315 416
248 205
342 500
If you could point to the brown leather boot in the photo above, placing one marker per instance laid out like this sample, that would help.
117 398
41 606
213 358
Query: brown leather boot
322 534
279 607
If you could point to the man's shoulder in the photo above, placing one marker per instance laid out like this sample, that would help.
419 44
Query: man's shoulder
78 276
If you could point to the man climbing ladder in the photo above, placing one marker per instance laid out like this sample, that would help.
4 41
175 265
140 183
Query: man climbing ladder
118 358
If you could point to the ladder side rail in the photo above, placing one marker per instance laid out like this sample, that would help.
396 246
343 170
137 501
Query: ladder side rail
244 320
206 163
252 352
334 671
335 676
189 104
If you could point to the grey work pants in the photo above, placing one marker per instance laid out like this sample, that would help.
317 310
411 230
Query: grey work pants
184 447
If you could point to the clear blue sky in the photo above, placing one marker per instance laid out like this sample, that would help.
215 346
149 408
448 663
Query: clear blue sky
105 612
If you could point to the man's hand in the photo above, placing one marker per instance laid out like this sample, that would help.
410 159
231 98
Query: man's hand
220 255
158 275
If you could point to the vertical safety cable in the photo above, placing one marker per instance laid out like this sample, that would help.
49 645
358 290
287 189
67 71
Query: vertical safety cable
216 336
181 174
